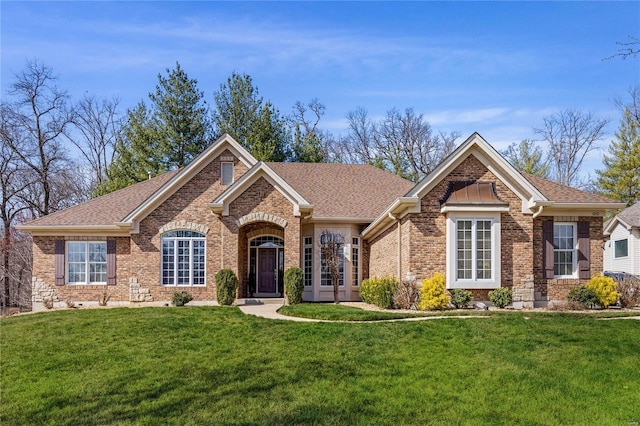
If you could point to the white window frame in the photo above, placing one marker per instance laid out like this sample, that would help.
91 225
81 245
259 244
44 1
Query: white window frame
307 254
452 251
175 240
574 250
229 177
615 242
355 261
87 263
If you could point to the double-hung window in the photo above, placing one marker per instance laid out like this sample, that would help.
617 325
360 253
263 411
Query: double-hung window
565 248
473 250
183 258
86 262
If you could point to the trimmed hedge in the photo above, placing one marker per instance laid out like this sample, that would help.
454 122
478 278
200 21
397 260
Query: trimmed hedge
226 286
293 285
379 291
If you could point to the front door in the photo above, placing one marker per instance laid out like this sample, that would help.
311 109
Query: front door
267 270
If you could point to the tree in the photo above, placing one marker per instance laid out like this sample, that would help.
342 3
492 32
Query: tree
39 119
36 176
620 179
98 123
571 134
402 143
180 118
255 125
527 157
13 182
308 140
135 153
628 49
331 250
162 136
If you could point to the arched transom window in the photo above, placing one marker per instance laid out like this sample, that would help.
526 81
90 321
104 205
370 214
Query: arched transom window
183 258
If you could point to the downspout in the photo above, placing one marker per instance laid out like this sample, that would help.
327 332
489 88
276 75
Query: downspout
399 245
536 214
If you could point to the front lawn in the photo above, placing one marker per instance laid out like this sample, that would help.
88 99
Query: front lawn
214 365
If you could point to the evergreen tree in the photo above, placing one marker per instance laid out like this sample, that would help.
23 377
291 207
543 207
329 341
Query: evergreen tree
620 178
180 117
163 136
527 157
255 125
137 148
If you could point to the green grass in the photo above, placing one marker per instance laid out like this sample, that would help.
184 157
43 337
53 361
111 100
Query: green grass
214 365
333 312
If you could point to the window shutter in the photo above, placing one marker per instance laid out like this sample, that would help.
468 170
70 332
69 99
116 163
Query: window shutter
111 262
547 248
59 262
584 266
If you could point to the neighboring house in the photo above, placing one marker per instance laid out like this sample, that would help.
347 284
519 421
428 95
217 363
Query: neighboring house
622 242
475 218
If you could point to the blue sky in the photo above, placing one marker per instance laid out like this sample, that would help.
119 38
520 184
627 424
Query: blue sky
493 67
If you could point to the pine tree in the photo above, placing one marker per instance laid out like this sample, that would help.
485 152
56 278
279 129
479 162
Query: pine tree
136 153
527 158
255 125
620 178
164 136
180 117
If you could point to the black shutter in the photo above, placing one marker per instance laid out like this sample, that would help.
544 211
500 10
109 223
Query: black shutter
59 262
584 265
111 262
547 248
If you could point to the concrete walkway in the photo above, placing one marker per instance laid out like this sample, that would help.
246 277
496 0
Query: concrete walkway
267 308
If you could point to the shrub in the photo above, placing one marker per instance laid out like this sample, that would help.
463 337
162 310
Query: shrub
379 291
70 303
48 303
226 286
181 298
629 289
103 298
434 294
460 297
582 296
605 288
501 297
406 294
293 285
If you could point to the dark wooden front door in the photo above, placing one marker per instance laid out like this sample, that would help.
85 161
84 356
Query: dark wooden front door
267 270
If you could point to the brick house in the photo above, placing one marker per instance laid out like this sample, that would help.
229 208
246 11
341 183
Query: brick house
475 218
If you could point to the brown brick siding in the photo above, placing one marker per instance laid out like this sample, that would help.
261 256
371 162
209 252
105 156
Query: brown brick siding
44 269
556 290
428 229
383 253
260 197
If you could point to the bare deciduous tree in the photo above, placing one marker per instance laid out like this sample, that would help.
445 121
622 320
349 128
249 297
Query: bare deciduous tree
403 143
571 134
98 121
39 117
331 249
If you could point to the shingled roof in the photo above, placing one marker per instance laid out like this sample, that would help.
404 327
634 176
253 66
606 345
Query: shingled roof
559 193
358 191
107 209
631 216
